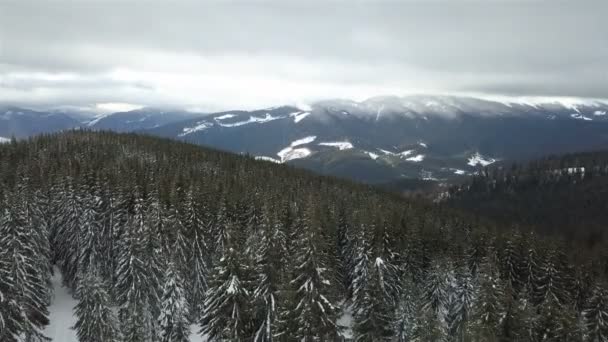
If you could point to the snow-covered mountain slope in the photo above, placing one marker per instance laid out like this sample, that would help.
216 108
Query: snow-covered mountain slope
386 138
377 140
139 119
22 123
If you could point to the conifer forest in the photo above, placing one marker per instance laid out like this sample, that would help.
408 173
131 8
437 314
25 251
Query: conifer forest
158 241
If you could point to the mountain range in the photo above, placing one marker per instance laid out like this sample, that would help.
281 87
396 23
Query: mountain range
378 140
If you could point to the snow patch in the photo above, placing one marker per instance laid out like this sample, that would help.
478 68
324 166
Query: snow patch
341 145
225 116
416 159
388 153
405 153
372 155
599 113
61 316
4 140
252 119
580 117
303 141
459 172
478 159
299 116
265 158
200 126
290 153
422 144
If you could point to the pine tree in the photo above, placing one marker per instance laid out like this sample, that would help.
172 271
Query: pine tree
95 319
173 320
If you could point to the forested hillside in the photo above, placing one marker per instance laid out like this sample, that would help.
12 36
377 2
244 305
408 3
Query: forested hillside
561 195
152 236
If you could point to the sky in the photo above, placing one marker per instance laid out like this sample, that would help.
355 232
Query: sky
220 55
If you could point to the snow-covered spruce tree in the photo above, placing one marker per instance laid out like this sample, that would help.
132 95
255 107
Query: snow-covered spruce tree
219 230
531 265
435 294
344 251
554 281
488 309
227 309
198 274
557 322
137 284
24 291
65 232
315 313
90 252
173 321
270 266
464 292
595 315
511 263
95 318
407 311
192 220
374 305
154 258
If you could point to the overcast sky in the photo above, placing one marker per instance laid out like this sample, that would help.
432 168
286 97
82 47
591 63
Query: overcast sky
246 54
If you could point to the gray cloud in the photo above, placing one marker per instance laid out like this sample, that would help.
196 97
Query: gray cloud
255 53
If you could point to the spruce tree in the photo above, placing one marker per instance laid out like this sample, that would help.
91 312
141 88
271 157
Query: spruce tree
595 315
23 289
374 305
488 310
227 309
315 312
95 318
269 266
173 319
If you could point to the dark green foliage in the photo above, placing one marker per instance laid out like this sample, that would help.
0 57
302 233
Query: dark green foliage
265 252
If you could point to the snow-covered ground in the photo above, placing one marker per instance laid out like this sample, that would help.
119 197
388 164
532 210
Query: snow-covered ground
291 153
299 116
341 145
62 318
200 126
270 159
416 159
478 159
372 155
252 119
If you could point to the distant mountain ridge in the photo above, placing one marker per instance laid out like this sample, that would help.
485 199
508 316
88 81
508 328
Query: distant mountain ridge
381 139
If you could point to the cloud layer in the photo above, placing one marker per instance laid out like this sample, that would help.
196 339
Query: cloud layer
218 55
